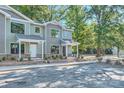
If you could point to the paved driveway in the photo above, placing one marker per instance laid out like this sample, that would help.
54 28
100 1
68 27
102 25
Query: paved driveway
84 75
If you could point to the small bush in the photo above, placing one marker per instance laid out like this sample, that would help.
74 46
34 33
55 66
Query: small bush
29 58
57 56
108 60
122 60
0 60
21 59
45 58
54 57
3 58
82 57
13 58
65 57
99 59
60 56
118 62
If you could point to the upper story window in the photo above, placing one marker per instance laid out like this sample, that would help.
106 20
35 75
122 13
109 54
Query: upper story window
17 28
37 30
67 34
54 33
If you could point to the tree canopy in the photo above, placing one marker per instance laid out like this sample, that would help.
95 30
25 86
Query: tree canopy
95 26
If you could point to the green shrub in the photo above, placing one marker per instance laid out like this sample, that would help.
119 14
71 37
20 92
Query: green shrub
0 60
54 57
29 58
13 58
57 56
60 56
65 57
45 58
3 58
82 57
108 60
21 59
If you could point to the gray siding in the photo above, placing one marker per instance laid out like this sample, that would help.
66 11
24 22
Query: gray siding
2 33
52 41
11 37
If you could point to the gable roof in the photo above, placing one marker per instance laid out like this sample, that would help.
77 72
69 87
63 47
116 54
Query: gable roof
58 23
6 14
17 12
13 13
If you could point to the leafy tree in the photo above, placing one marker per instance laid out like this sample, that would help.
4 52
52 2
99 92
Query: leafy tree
104 17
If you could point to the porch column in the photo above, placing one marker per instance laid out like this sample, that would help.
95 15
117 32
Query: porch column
42 49
19 49
77 50
66 50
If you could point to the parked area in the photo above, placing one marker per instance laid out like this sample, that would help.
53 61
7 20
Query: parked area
98 75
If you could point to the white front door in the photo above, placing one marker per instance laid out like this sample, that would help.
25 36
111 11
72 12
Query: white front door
33 50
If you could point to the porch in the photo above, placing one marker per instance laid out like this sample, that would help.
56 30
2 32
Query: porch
34 46
67 47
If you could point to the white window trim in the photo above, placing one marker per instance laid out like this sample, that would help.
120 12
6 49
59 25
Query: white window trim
17 43
58 31
18 23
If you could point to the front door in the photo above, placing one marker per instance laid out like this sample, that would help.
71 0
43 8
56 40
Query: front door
33 50
64 51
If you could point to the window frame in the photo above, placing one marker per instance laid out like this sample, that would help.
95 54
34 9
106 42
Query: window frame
17 47
35 29
51 32
17 23
58 49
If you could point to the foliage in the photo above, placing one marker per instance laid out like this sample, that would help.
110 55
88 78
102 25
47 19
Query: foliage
95 26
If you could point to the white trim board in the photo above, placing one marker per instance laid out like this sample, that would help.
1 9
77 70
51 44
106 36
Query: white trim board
17 12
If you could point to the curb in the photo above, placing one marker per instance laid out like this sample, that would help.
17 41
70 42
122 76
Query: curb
8 68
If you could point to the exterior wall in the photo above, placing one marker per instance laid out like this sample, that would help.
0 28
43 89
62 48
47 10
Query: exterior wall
67 34
2 33
29 30
11 37
52 41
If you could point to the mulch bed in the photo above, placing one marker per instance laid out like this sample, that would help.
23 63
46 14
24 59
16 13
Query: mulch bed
15 63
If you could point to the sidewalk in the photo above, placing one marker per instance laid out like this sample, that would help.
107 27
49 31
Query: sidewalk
7 68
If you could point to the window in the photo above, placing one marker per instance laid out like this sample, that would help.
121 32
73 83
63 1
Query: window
55 49
17 28
37 29
67 35
54 33
15 48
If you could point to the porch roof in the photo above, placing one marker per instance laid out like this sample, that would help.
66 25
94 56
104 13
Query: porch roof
69 42
29 38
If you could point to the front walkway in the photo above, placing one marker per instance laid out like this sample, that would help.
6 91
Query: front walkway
91 75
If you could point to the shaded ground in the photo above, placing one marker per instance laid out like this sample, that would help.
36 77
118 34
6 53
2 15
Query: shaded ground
93 75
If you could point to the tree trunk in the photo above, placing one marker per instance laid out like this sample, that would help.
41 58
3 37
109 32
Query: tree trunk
118 50
98 46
